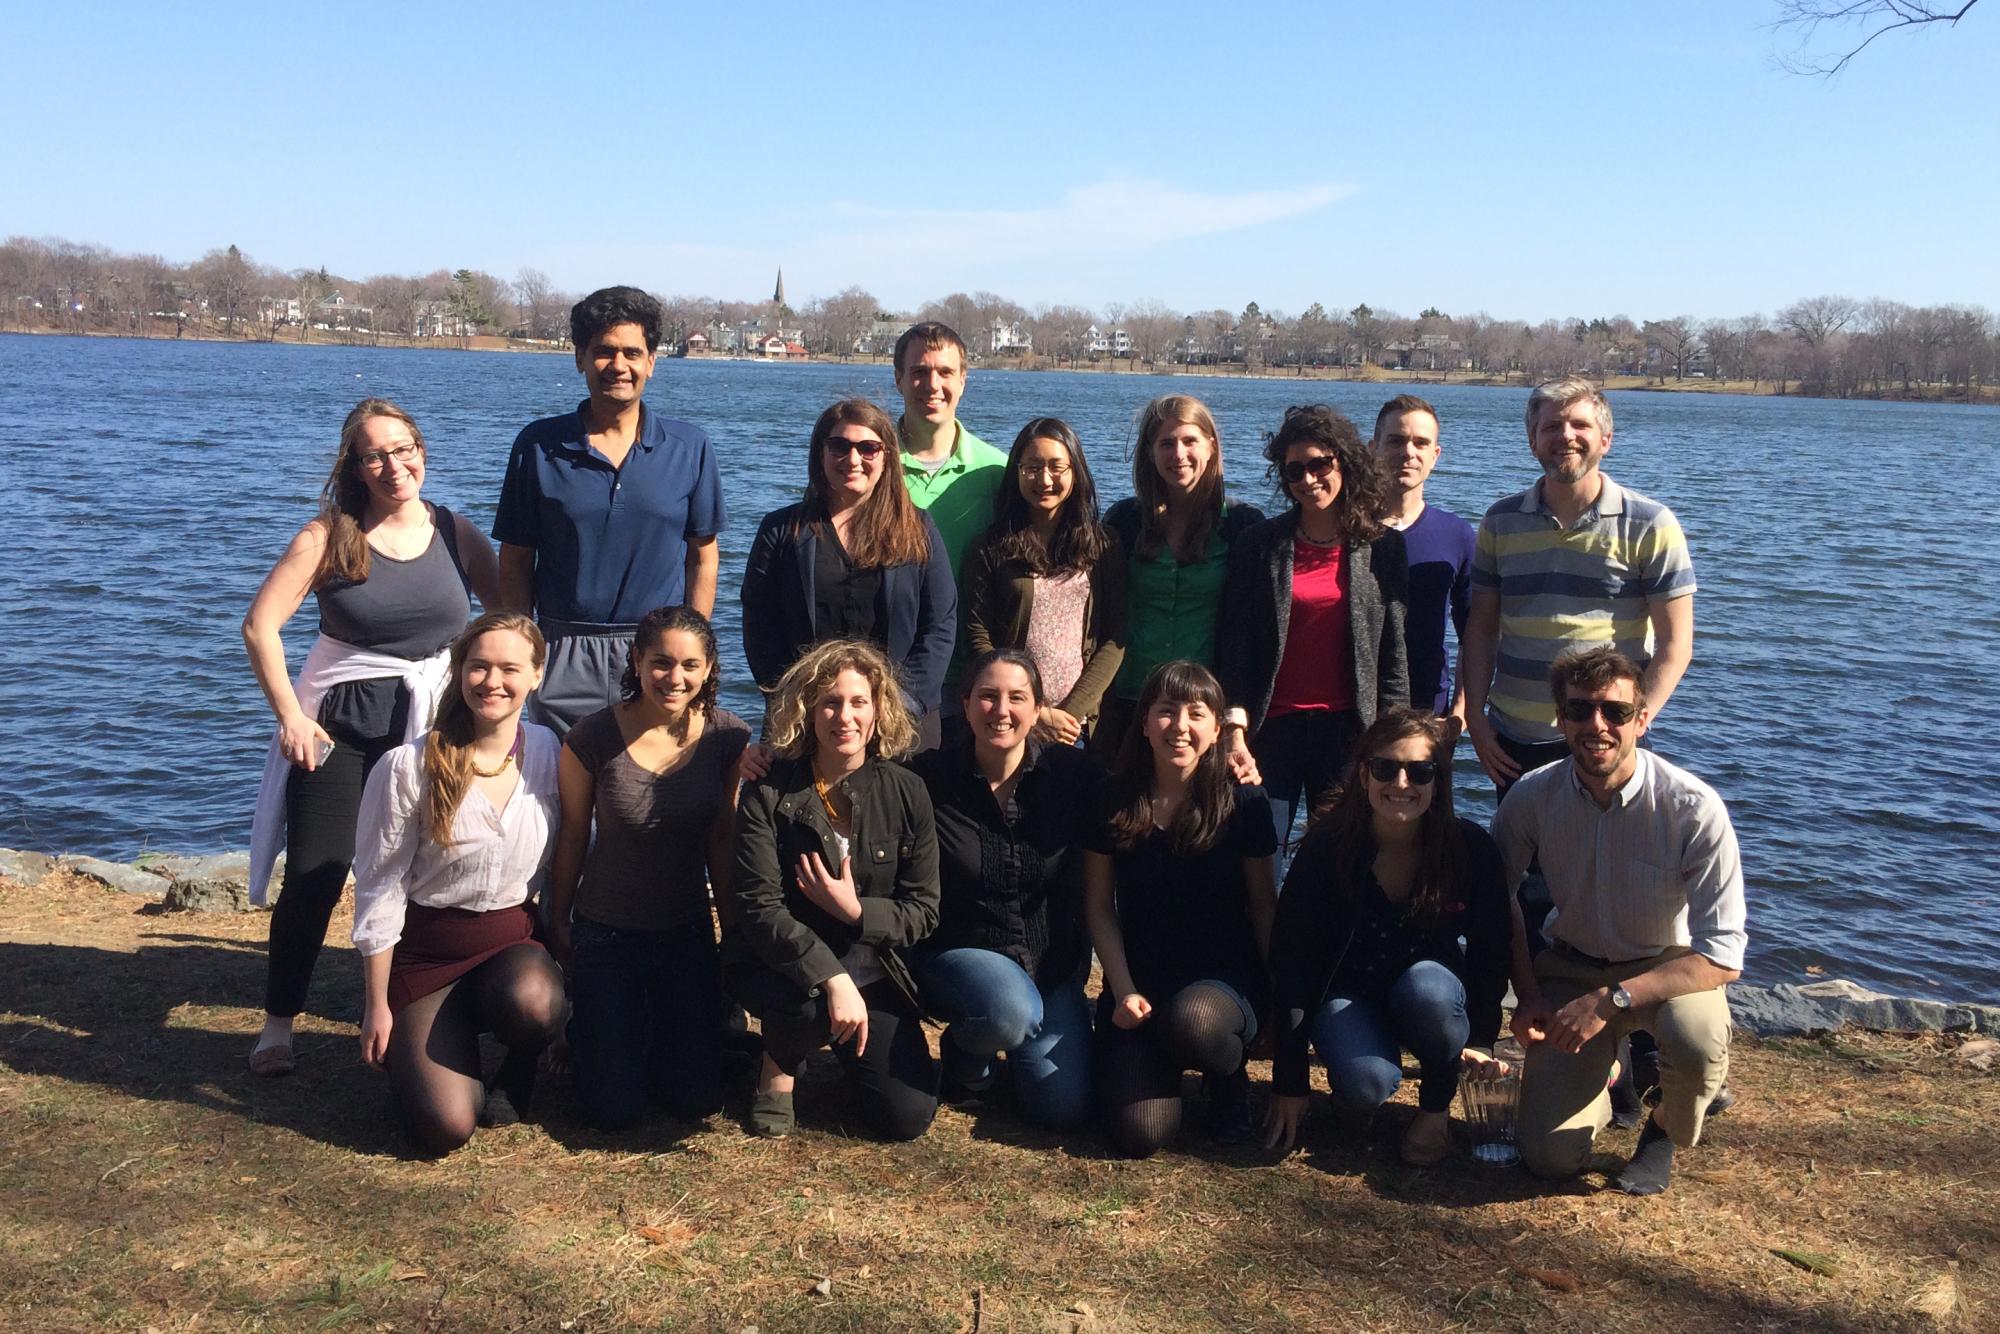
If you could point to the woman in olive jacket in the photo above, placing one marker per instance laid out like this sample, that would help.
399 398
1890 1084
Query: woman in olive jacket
837 871
1310 647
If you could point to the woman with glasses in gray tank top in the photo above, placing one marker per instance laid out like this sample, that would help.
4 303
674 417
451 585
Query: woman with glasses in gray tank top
391 573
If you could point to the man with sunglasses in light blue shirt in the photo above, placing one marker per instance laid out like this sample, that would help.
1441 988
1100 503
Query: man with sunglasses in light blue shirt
1648 928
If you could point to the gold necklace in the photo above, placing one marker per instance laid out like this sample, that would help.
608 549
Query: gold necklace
505 760
826 801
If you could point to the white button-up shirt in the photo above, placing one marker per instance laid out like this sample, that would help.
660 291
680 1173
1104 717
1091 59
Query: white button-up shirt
496 859
1658 868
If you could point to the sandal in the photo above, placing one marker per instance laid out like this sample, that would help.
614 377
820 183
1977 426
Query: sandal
272 1061
1428 1140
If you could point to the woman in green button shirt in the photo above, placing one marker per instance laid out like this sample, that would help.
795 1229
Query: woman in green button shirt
1176 531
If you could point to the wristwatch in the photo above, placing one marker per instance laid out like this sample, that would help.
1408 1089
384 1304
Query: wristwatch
1621 999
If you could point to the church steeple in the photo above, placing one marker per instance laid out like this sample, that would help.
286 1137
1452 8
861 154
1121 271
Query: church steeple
778 296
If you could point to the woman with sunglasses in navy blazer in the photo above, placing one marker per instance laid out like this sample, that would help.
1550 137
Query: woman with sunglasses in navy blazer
854 559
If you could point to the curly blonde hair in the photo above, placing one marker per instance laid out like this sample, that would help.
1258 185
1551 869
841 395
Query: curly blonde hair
807 681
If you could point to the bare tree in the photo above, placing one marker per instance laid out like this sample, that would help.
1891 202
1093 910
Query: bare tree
1152 326
1677 339
541 305
1873 18
225 279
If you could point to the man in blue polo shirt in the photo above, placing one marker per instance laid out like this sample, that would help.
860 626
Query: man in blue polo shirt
1439 544
606 512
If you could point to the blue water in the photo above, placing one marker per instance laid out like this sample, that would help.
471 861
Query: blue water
1846 628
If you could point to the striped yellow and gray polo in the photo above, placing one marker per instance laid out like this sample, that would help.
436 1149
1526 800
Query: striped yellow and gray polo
1567 588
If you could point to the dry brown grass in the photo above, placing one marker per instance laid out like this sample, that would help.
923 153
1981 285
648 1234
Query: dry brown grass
151 1182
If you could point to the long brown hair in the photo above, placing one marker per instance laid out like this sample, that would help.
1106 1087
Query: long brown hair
888 528
790 726
343 501
1363 496
1079 540
1211 795
1348 819
1205 504
448 749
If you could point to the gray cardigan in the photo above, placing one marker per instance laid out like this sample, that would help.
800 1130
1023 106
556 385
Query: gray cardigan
1257 613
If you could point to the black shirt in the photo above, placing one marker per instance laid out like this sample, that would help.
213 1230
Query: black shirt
1186 918
1337 934
1012 877
843 596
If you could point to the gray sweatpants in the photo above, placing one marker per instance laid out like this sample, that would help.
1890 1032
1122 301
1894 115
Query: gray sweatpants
586 662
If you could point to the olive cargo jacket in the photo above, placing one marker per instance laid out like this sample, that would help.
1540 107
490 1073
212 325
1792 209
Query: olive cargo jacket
895 861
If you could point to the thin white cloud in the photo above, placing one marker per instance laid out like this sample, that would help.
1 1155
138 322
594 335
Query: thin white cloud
1108 216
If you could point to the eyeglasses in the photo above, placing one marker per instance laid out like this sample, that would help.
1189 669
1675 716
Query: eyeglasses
840 448
1299 469
1421 773
1053 471
1616 712
378 460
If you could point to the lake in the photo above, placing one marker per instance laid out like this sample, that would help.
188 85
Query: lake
1842 657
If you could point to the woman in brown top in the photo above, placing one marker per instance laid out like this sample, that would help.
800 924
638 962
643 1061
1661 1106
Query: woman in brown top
1049 578
656 777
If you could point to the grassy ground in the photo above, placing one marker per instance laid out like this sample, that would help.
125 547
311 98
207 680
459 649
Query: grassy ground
151 1183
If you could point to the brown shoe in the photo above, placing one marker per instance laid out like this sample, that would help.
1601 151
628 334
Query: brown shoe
1428 1140
272 1061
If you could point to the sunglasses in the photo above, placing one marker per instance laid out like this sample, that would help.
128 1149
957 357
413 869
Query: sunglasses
1421 773
1299 469
838 447
1616 712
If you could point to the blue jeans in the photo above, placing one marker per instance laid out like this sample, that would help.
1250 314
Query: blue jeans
1362 1041
645 1022
992 1006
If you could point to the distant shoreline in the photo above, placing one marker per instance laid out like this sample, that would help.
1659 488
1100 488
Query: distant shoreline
1987 395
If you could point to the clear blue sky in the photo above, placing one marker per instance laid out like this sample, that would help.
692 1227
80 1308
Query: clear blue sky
1529 161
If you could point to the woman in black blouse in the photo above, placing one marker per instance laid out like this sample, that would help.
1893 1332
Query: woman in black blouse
1366 952
1005 967
1178 898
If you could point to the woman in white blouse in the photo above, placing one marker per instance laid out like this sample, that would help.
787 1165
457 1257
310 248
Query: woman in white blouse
456 833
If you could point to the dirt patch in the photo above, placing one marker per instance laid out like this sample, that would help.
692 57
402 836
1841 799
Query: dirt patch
151 1182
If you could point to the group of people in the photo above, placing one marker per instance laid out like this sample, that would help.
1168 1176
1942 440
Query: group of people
1002 733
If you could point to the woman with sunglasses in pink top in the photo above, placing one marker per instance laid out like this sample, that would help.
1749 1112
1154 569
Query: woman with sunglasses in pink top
1310 647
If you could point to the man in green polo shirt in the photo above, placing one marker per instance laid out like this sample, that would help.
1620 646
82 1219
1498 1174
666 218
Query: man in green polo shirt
951 473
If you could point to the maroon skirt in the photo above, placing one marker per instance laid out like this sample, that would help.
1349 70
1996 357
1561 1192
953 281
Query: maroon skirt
441 945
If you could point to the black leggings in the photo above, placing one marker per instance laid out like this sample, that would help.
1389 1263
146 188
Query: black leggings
1205 1026
320 812
896 1076
517 996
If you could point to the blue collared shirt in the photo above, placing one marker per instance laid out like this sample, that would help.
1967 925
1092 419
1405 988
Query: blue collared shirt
1659 867
610 543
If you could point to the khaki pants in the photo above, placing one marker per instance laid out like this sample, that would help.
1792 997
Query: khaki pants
1563 1099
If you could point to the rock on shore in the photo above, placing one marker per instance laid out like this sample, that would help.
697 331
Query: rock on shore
216 883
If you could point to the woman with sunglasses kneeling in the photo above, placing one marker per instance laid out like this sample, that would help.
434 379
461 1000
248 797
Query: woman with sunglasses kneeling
853 559
1366 954
836 872
1178 900
454 841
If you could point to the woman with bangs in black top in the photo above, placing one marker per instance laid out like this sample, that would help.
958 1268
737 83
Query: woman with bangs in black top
1178 896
